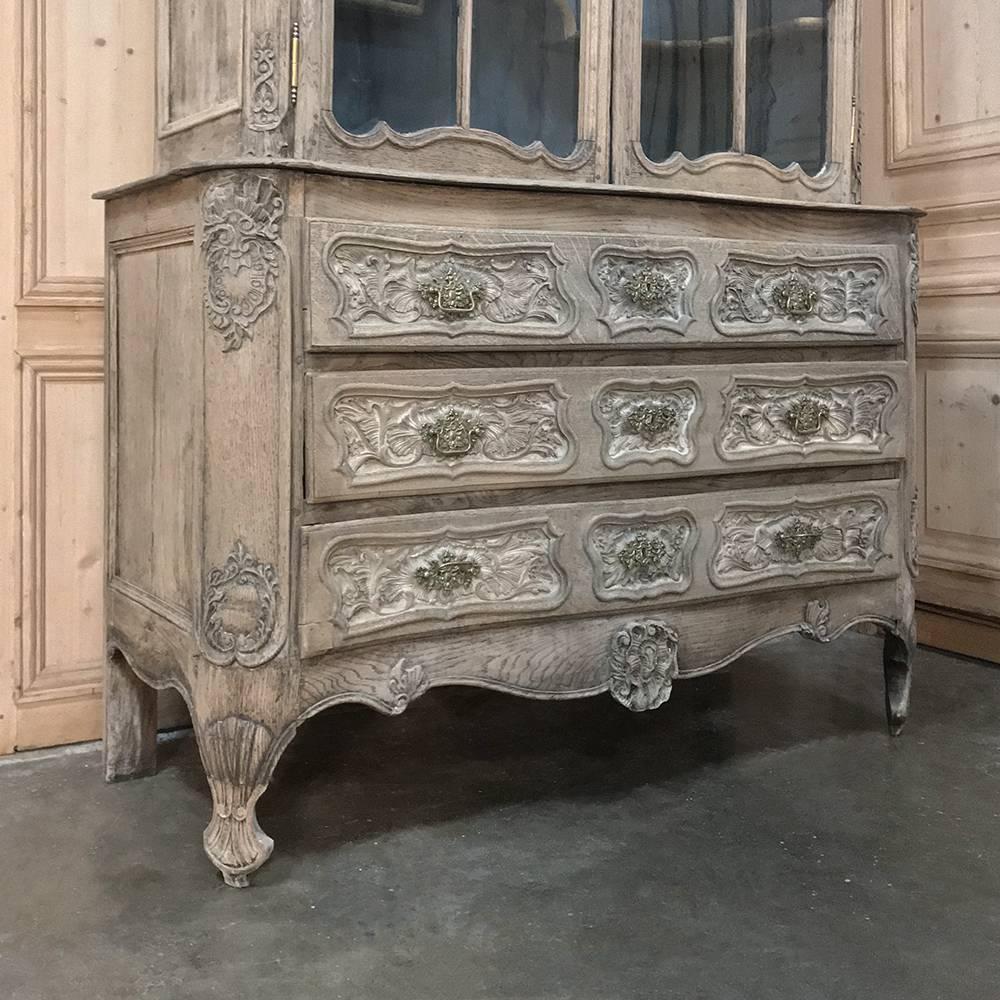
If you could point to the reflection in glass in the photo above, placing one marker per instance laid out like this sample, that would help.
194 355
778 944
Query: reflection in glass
395 61
687 77
786 81
526 70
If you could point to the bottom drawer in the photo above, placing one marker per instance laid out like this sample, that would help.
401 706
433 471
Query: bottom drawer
386 577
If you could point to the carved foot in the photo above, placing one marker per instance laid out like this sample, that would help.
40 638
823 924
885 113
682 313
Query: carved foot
897 655
237 752
129 721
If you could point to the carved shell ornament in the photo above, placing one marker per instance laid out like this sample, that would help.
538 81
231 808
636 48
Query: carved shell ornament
239 616
643 664
243 253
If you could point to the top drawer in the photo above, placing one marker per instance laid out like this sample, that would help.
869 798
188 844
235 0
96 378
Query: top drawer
406 288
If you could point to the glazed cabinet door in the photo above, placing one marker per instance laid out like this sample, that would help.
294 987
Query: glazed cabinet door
503 88
750 97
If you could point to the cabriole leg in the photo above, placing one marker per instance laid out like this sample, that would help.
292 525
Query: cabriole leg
897 657
129 721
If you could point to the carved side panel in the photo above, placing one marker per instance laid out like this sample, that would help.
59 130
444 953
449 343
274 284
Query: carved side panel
386 287
385 582
756 542
644 289
643 664
647 422
386 434
641 555
241 243
806 415
801 295
240 611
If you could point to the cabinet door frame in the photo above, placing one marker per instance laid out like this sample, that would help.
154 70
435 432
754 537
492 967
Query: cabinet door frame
733 172
455 150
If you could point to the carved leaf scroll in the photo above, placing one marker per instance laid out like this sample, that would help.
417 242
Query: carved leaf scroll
388 581
757 542
392 288
643 664
386 434
264 114
243 253
640 556
647 422
774 416
801 295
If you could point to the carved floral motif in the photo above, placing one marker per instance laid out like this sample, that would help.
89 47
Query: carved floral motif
390 434
393 288
387 582
239 618
646 422
641 556
757 542
407 682
264 115
775 417
643 289
643 664
243 253
800 295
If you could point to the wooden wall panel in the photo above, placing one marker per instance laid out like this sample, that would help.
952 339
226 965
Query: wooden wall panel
931 138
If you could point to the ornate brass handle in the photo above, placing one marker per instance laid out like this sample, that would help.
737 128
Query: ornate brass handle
447 572
798 537
647 287
642 552
650 419
806 415
453 294
795 297
453 435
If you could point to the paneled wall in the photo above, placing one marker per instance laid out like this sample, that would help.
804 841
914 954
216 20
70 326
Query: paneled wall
82 118
931 138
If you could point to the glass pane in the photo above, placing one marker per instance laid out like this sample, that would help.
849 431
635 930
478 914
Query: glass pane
526 70
786 81
395 61
687 77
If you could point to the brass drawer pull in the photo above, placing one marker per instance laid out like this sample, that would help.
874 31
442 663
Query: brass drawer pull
447 572
453 294
452 435
798 537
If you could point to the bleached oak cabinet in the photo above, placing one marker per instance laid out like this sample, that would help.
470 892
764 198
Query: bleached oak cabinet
402 392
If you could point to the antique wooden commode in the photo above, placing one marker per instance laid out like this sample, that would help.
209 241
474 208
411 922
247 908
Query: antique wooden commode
403 392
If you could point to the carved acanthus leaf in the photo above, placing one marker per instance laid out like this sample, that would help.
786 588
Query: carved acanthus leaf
407 682
643 664
243 253
800 295
816 621
757 542
387 582
646 422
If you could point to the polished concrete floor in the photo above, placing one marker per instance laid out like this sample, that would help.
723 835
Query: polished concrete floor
759 837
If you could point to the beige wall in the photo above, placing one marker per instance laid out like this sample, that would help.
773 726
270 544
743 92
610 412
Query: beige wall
931 117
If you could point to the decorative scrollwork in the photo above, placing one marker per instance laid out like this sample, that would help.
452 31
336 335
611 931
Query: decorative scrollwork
239 618
264 115
643 664
914 282
452 435
816 621
407 682
448 572
243 253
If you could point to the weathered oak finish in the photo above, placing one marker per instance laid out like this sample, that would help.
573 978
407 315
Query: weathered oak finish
292 527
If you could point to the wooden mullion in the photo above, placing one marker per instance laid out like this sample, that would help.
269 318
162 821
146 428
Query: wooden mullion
464 56
740 75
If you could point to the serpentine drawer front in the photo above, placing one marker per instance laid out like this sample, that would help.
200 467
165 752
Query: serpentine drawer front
406 287
405 432
435 572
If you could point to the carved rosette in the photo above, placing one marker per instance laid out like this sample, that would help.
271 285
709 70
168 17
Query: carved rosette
800 295
774 417
647 422
759 542
387 434
240 611
644 289
235 751
264 114
243 253
641 556
643 664
394 288
387 582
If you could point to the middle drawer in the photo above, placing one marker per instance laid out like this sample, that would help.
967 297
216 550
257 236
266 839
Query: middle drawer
409 432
